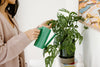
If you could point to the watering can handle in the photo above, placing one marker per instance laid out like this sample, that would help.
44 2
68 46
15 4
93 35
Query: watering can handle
50 40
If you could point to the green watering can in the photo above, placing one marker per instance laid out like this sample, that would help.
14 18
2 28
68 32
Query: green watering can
43 36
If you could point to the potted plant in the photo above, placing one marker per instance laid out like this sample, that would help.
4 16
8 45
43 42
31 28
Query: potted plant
65 28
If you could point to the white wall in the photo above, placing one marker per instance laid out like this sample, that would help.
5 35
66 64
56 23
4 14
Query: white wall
91 48
89 51
32 13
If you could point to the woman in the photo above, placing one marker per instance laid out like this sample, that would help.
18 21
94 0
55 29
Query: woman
12 41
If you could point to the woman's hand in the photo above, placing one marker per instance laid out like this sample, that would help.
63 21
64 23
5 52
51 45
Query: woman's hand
45 24
32 33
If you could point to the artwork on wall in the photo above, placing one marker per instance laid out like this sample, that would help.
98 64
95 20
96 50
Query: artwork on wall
90 10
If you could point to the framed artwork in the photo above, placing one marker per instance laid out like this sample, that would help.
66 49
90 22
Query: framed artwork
90 10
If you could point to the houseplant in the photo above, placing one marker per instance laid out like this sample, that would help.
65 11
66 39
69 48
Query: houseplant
65 28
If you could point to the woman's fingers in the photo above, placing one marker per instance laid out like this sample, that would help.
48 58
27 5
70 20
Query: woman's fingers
48 26
35 36
33 33
36 33
36 30
45 24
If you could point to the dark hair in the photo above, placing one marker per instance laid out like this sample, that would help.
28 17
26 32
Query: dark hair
12 8
1 3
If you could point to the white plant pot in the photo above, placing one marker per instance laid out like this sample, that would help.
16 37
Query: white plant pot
66 61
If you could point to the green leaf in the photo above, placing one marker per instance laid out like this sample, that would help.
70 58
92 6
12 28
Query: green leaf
44 51
76 26
85 27
80 39
64 10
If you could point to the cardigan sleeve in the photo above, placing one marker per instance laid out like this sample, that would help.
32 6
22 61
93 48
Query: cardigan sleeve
13 47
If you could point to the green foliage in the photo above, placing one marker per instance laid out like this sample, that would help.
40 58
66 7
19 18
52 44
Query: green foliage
53 52
85 27
66 29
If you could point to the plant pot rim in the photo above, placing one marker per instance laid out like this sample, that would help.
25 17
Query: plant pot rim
66 57
67 60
